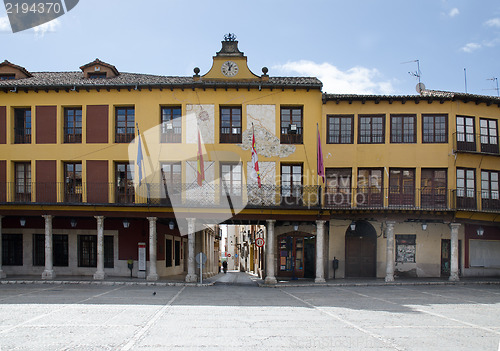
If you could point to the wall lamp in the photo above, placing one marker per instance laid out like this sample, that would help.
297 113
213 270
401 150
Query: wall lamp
126 223
171 225
73 222
22 221
480 231
353 226
295 226
424 225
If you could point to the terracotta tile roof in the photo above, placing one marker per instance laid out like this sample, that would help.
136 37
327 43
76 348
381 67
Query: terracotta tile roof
65 80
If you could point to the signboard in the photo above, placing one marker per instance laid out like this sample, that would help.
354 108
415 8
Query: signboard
201 257
142 256
228 255
259 242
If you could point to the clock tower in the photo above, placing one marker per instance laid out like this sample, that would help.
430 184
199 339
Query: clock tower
230 63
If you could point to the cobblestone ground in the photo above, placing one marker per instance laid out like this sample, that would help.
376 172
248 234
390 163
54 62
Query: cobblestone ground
244 316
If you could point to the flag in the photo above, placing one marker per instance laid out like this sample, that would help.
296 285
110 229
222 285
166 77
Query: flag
140 157
255 161
321 167
200 165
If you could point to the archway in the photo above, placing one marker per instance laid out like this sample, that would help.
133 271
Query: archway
361 251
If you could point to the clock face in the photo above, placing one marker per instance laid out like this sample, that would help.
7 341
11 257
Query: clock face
229 69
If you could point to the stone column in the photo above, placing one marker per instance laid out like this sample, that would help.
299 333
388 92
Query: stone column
48 273
99 274
191 276
389 270
2 273
270 278
320 260
454 252
152 249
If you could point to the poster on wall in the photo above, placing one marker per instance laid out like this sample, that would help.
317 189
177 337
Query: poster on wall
142 256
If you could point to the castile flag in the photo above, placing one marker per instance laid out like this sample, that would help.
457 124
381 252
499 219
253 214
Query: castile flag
255 161
200 165
321 167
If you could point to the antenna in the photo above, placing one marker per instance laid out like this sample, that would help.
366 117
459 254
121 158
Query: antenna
495 79
465 77
417 73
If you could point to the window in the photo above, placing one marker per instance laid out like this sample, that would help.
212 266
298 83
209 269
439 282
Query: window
489 190
72 125
73 182
177 253
109 261
22 126
405 248
340 130
291 184
466 188
125 124
402 187
434 128
230 125
403 129
60 244
172 181
171 124
124 177
168 253
96 75
12 249
87 250
434 188
38 249
371 129
466 140
370 187
7 76
489 135
231 180
291 125
23 181
338 187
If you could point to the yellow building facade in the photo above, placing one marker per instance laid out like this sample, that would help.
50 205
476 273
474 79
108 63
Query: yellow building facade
107 173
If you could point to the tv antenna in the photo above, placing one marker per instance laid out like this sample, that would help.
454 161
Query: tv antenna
417 74
495 79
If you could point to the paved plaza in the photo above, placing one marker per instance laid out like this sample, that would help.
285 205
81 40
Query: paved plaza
235 313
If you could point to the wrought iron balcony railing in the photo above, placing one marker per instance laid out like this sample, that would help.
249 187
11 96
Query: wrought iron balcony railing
250 196
469 142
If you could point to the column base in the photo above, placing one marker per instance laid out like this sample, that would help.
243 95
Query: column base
454 277
2 274
191 278
389 278
141 274
270 280
99 275
152 277
320 280
48 274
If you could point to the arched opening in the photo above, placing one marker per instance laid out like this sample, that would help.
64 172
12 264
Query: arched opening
361 251
297 255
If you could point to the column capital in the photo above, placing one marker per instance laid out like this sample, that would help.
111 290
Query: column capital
455 225
99 218
390 223
320 221
48 217
152 219
271 221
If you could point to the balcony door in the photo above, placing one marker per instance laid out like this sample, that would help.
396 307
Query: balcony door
466 188
291 184
465 134
489 135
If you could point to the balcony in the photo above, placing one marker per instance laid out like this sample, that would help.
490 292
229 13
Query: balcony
468 143
216 196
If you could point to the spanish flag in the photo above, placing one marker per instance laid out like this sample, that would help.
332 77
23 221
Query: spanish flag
255 160
200 165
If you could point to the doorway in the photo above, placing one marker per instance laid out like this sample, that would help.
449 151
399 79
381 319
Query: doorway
446 257
361 251
297 255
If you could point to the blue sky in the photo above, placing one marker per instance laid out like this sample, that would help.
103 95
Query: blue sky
352 46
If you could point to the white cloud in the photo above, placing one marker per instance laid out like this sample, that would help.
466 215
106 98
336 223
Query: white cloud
5 24
356 80
46 27
470 47
453 12
494 22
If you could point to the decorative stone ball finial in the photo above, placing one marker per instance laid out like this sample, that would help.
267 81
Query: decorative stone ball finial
196 71
230 37
265 70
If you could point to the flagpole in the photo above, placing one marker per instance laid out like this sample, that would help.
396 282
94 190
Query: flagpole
317 157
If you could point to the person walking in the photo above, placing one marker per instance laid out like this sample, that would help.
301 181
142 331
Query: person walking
224 266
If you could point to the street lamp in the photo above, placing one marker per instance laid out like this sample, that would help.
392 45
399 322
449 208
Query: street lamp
353 226
480 231
126 223
171 225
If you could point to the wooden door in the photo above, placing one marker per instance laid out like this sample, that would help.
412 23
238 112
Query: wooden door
360 256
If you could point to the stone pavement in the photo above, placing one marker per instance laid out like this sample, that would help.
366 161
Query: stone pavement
241 278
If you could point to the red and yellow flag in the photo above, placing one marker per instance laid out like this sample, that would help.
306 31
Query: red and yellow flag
200 169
